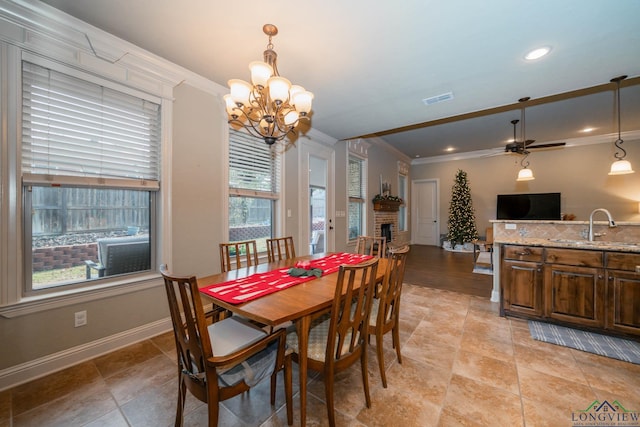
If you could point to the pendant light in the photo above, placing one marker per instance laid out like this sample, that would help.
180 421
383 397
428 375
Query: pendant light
620 166
524 174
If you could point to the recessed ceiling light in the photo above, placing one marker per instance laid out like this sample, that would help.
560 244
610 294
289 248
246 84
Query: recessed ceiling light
417 155
537 53
449 149
587 130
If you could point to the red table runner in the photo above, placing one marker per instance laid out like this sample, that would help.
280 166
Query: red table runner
257 285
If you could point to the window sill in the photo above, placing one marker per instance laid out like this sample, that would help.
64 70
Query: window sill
35 304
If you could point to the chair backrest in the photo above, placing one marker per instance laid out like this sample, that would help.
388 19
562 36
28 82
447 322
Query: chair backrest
367 245
390 293
233 255
350 311
191 334
127 254
489 238
280 248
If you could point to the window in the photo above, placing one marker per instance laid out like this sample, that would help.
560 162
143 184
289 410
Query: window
356 193
90 173
402 193
254 189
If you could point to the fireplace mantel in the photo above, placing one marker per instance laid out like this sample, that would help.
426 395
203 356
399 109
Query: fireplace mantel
386 205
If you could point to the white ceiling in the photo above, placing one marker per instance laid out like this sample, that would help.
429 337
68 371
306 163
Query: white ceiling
370 65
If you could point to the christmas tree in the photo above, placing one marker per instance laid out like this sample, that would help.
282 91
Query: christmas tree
462 220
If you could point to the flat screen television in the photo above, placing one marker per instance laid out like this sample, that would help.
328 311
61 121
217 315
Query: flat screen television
535 206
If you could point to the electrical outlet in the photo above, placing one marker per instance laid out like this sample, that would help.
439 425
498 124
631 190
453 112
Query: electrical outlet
80 318
509 226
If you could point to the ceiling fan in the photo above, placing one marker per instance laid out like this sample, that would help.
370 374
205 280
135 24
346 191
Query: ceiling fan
523 146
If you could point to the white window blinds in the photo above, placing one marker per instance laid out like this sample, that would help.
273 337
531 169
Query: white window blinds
254 169
356 180
75 128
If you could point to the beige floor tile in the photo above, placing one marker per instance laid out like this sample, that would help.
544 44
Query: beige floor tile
78 380
422 381
128 383
114 362
482 404
70 410
421 348
111 419
489 371
399 407
556 360
547 415
480 344
552 390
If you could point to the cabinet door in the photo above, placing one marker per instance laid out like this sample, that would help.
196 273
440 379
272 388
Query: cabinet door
575 294
521 284
624 302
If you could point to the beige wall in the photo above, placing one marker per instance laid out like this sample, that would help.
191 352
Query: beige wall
579 173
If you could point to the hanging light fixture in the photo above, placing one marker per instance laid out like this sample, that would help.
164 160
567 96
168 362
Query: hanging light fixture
270 107
620 166
524 174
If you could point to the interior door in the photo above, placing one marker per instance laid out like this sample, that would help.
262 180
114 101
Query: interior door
425 223
316 183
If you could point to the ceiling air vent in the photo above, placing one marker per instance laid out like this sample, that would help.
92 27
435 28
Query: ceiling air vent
438 98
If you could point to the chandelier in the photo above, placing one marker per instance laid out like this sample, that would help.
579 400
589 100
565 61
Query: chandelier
269 107
619 166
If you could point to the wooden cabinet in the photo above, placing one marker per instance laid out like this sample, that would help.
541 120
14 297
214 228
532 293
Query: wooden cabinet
574 286
594 289
623 286
521 280
575 294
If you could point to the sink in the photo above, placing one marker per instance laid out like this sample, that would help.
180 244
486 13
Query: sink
596 243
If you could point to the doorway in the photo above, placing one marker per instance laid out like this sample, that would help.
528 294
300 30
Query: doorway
425 221
316 175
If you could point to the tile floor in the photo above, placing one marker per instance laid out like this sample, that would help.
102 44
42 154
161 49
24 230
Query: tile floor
463 365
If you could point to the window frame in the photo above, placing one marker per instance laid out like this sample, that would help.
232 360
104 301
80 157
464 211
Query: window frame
361 200
13 299
276 173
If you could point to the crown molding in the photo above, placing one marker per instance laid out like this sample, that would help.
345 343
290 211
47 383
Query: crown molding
574 142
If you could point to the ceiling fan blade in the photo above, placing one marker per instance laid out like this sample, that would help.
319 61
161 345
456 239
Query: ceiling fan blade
555 144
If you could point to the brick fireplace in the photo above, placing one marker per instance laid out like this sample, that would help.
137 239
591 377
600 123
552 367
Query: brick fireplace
385 217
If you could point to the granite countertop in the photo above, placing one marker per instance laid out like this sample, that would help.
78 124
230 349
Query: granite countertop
571 244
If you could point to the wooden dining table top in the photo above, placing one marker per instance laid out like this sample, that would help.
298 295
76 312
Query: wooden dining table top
287 304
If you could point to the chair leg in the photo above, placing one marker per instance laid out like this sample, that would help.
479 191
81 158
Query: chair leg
274 381
182 390
380 353
395 332
328 389
365 376
213 404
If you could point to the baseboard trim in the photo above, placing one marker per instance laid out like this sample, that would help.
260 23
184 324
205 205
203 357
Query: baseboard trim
31 370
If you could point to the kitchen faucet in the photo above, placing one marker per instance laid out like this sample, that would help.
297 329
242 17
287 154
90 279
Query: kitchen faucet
611 222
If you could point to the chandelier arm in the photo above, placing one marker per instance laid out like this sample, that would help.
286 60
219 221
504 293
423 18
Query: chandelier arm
524 162
619 141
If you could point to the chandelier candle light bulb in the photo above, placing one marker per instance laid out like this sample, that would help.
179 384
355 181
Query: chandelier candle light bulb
271 107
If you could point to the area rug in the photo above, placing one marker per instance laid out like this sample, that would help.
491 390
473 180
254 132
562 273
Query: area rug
616 348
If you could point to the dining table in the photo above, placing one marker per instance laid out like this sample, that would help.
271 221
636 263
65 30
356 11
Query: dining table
297 304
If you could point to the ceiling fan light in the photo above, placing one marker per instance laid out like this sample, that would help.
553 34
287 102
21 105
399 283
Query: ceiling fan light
620 167
525 175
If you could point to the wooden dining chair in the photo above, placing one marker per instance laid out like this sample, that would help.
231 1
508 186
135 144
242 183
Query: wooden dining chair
280 248
338 339
368 245
223 359
237 255
385 310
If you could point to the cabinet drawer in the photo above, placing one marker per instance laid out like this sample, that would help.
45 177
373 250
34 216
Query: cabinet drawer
522 253
623 261
577 257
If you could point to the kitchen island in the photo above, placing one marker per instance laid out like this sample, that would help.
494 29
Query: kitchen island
550 271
